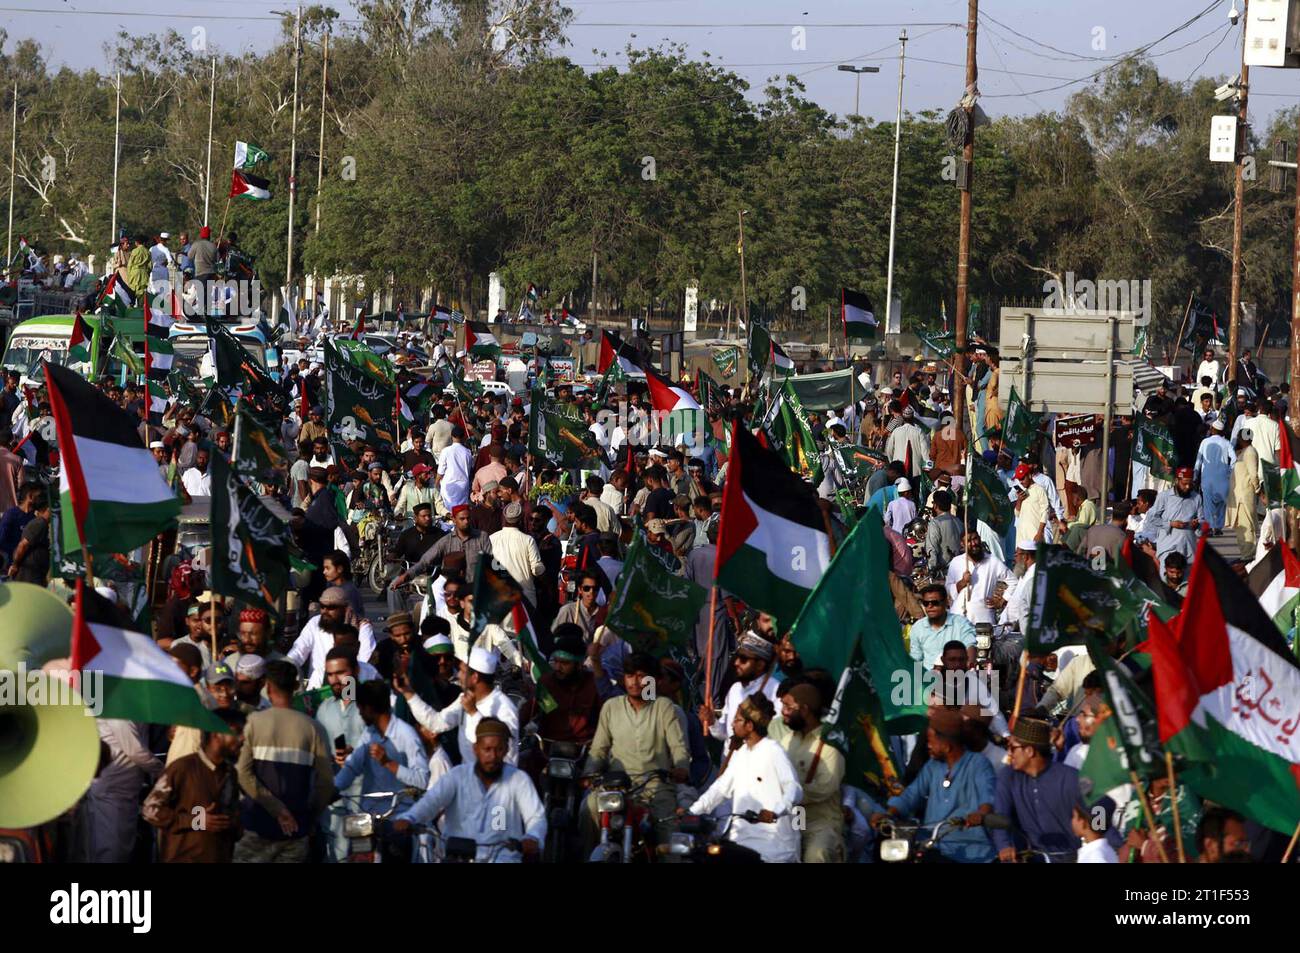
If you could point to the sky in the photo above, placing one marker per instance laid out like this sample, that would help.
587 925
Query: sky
1031 55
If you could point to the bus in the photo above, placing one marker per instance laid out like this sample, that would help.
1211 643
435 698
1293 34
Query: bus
46 339
190 344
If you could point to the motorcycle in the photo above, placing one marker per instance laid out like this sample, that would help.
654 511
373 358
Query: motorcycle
466 850
900 843
378 541
561 794
626 827
370 841
703 840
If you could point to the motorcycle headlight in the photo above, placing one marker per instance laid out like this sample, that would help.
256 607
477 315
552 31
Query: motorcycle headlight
616 822
358 825
559 768
610 802
894 850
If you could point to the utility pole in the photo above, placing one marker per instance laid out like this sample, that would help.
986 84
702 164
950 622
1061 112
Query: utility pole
117 139
13 158
1295 278
593 283
857 72
212 106
893 202
293 151
744 294
320 151
963 240
1234 322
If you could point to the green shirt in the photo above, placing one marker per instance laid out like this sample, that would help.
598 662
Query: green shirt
638 742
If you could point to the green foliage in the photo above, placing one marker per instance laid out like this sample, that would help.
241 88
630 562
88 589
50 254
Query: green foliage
477 146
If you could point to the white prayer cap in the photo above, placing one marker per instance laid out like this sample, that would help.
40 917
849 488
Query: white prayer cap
902 485
1027 546
164 235
157 445
481 660
436 642
656 452
1217 423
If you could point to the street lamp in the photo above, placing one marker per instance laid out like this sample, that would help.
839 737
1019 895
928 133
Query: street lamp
857 80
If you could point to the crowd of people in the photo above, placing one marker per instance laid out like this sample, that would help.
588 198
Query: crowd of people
350 703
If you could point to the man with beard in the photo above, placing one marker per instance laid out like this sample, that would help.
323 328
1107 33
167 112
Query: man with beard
954 783
463 539
753 667
254 634
485 799
577 701
341 719
318 637
393 654
972 581
1173 522
818 767
481 698
759 777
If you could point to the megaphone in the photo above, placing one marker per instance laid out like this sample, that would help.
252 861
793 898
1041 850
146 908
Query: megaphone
49 744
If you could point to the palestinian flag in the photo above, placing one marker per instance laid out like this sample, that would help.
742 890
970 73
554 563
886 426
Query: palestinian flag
778 358
79 341
248 186
248 155
118 294
360 327
773 544
112 495
159 354
858 315
1228 696
1287 464
480 341
141 681
158 402
678 411
443 313
1275 581
614 351
538 665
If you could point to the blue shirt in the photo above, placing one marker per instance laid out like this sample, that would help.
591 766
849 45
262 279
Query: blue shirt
972 784
927 642
402 744
12 525
1041 807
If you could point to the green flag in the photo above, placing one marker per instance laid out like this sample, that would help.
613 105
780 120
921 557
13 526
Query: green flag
560 439
1131 739
228 357
790 435
848 625
652 608
833 390
1153 447
613 374
358 406
1073 598
986 496
257 452
495 595
942 343
708 392
1018 426
251 545
122 351
726 358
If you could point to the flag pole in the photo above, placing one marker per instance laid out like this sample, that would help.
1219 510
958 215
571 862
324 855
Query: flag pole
708 654
1020 685
1290 848
1173 797
212 105
1146 812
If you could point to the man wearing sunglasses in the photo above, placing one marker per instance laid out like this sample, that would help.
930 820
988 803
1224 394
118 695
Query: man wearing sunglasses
938 628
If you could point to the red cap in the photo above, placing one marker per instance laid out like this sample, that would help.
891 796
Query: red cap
1022 471
205 232
1183 471
420 468
460 508
253 615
